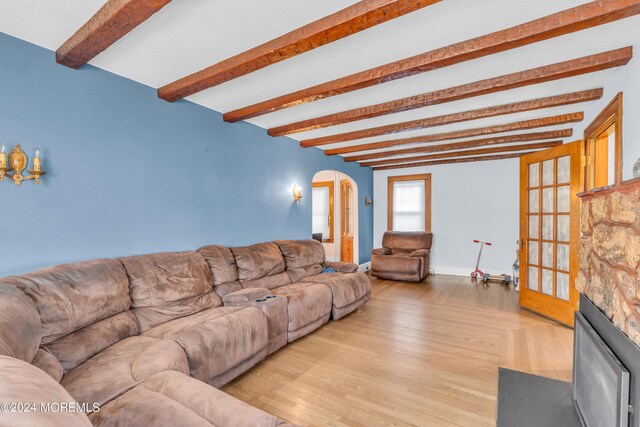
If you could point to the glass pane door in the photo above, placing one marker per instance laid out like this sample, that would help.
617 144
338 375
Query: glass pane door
550 180
548 226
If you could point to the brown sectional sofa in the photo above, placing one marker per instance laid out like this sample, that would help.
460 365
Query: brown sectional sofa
146 337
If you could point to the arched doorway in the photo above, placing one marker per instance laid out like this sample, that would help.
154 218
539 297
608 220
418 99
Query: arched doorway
335 214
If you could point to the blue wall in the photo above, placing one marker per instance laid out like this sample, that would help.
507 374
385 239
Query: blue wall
128 173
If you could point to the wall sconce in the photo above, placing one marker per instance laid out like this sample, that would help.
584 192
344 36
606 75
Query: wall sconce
297 193
18 163
367 201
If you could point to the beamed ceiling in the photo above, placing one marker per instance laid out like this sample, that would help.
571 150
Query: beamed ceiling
386 83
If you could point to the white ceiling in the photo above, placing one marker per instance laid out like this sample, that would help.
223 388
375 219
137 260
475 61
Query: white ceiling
186 36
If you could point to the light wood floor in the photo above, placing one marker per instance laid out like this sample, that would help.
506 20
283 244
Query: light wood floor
418 354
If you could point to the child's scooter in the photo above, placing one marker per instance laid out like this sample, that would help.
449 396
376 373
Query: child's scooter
504 278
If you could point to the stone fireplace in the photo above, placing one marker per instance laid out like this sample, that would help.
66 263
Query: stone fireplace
609 273
609 283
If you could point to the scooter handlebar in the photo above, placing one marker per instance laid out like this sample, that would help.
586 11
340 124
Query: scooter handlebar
486 243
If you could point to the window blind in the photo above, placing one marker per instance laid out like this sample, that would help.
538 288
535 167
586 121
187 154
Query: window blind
408 205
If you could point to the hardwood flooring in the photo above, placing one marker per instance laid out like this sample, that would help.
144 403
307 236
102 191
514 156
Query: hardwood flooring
418 354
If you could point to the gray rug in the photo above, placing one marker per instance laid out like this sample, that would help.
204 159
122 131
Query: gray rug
526 400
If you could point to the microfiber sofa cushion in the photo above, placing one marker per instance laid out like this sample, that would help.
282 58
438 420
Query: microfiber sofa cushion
405 242
350 291
302 258
309 307
345 287
121 367
83 307
218 340
224 270
75 348
401 264
63 294
20 329
169 285
260 266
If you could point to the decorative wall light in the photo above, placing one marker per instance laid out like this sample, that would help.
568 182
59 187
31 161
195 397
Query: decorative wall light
367 201
18 163
297 193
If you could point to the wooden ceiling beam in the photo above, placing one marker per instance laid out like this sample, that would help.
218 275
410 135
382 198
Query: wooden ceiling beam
467 133
450 161
476 152
447 119
546 73
351 20
114 19
568 21
533 136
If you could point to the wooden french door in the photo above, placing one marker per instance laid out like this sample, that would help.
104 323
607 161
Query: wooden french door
346 234
550 230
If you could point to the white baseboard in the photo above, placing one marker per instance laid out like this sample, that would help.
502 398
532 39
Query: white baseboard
451 271
332 259
365 267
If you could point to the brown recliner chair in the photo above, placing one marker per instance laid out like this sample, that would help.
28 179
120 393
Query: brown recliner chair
403 256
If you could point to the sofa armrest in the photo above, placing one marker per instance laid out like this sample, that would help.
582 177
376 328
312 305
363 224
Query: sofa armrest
273 306
342 267
245 295
420 252
381 251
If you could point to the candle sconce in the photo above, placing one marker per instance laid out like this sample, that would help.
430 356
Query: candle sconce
18 163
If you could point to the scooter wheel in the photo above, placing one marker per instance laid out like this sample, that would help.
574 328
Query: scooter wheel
474 275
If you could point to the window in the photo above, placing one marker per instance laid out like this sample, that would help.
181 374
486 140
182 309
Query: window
322 205
409 204
603 140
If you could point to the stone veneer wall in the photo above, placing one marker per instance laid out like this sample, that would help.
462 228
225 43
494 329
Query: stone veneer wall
610 254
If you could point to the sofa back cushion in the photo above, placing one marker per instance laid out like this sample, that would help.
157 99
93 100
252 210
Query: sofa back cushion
401 242
71 296
79 346
303 258
20 329
77 304
223 269
260 266
165 286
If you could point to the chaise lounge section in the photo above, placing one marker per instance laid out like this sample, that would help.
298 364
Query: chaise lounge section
145 337
305 262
